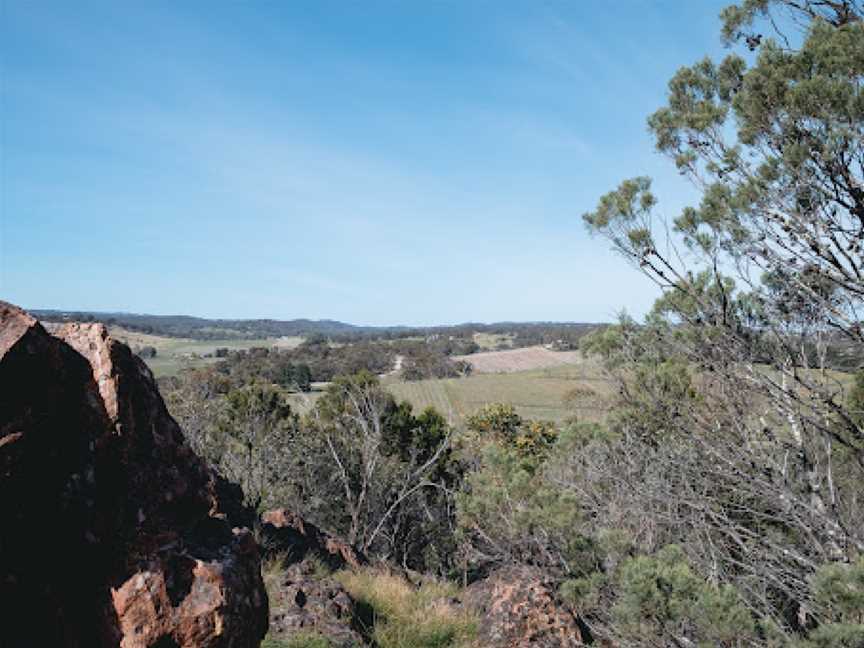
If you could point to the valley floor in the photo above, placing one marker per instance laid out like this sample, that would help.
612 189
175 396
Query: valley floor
552 393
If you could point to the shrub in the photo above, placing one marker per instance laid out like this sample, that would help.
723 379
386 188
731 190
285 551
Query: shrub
662 595
510 512
147 352
501 423
855 400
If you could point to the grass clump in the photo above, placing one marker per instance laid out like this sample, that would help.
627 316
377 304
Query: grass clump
272 572
305 640
405 616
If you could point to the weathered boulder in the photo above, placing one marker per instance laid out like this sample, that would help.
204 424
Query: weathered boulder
286 532
304 598
110 531
518 607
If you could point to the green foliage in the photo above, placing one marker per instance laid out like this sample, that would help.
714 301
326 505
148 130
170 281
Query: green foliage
501 423
257 402
536 438
794 106
402 434
773 139
737 17
835 635
585 593
612 343
370 471
661 595
346 392
431 358
580 435
706 299
855 399
316 359
771 147
624 213
509 511
256 426
296 376
498 419
840 590
657 393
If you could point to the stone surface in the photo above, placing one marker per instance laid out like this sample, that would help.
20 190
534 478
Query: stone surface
286 532
303 596
111 532
518 607
302 600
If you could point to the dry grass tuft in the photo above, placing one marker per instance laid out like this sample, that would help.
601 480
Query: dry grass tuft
405 616
307 640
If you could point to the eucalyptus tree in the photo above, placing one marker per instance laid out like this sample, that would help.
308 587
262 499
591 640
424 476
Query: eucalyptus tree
757 460
368 469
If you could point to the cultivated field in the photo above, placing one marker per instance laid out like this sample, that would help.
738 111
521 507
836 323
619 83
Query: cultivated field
553 393
173 354
524 359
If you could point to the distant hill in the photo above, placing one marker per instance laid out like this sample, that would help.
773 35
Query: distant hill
200 328
203 329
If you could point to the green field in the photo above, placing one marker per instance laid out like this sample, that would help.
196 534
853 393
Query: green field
538 394
173 354
492 341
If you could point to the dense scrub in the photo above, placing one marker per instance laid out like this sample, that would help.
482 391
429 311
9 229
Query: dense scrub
316 360
720 503
631 517
734 463
358 463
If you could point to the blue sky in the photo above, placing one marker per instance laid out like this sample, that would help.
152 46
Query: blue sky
404 162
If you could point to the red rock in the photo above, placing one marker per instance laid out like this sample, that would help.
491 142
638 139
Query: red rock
284 530
109 534
518 607
302 599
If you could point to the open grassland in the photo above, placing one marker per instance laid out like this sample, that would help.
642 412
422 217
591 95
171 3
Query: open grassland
553 393
524 359
492 341
173 354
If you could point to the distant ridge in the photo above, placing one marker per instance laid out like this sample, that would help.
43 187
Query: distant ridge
202 328
187 326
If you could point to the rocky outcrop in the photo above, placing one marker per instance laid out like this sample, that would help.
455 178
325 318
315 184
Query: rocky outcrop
517 607
286 532
110 526
304 598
